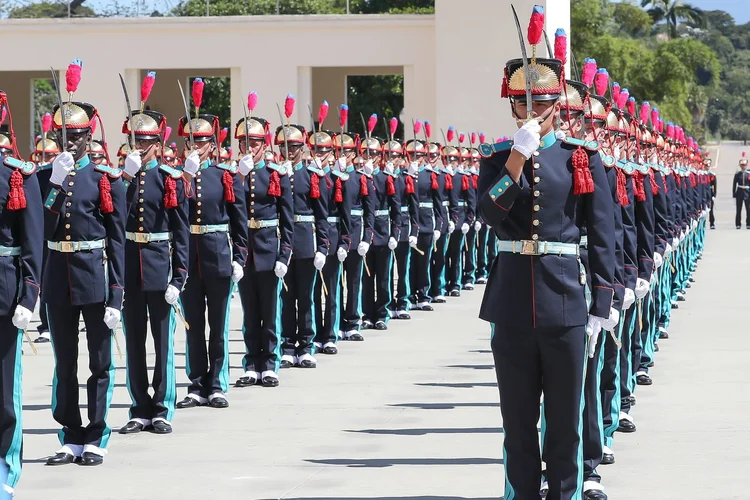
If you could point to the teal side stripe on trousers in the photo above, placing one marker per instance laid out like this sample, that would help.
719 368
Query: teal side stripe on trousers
13 456
127 371
277 324
170 396
390 286
60 433
614 409
110 390
579 458
314 322
224 373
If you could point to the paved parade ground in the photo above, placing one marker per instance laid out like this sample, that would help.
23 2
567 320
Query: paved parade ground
413 412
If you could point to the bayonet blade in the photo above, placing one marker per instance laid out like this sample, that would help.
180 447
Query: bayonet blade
187 115
63 128
283 129
129 112
526 68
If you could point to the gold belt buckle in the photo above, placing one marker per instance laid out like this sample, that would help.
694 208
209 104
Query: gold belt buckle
67 246
143 237
529 247
254 223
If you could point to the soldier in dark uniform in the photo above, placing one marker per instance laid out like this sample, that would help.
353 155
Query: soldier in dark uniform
712 185
377 292
471 247
536 298
466 203
157 234
21 258
85 212
407 240
97 153
217 256
309 251
271 231
447 224
741 193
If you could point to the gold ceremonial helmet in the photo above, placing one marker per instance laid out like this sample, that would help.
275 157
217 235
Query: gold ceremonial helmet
291 134
168 153
79 116
474 154
225 154
123 151
434 148
660 141
545 79
394 147
347 140
204 127
254 128
465 154
596 106
269 156
572 95
613 123
372 144
47 146
359 161
415 149
96 149
5 142
322 141
146 124
646 137
451 153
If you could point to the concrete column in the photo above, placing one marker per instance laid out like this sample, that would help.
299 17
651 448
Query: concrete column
305 96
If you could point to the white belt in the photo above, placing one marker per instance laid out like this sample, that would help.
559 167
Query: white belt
381 213
254 223
425 204
304 218
75 246
147 237
533 247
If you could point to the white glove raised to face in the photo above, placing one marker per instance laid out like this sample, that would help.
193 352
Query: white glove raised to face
21 317
392 243
413 241
593 327
341 164
528 138
133 163
451 227
464 228
61 167
341 254
436 235
172 294
237 272
413 168
246 164
628 300
658 261
369 167
280 269
388 167
477 226
111 317
192 163
362 248
641 288
319 261
610 323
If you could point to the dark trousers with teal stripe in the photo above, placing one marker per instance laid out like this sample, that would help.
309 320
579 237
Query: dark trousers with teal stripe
470 257
207 369
420 268
139 309
377 292
327 308
454 262
593 431
403 269
631 330
351 308
11 436
610 384
530 362
63 329
297 313
486 250
437 270
261 326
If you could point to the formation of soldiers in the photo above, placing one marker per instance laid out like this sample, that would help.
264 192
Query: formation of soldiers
327 236
599 208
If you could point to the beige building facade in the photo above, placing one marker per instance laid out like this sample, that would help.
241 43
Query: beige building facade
452 61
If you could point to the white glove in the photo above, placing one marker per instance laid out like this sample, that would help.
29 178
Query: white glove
319 261
628 300
675 242
388 166
280 269
528 138
362 248
111 317
192 163
658 261
694 224
464 228
133 163
341 164
171 294
477 226
318 164
667 250
246 164
392 243
341 254
652 279
413 167
451 227
682 236
436 235
237 272
61 167
413 241
286 167
610 323
21 317
593 327
641 288
560 134
369 167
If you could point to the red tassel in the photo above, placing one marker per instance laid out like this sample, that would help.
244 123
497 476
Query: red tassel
582 181
409 184
504 90
274 185
449 182
16 195
464 183
228 182
474 180
338 196
314 186
639 192
170 193
363 185
654 185
693 180
622 189
666 189
434 183
390 188
105 194
678 180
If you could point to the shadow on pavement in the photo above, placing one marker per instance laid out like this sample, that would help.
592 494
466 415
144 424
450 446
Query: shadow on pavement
473 367
49 407
391 498
459 385
424 432
446 406
389 462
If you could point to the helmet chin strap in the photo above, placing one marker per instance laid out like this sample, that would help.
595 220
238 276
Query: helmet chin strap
540 119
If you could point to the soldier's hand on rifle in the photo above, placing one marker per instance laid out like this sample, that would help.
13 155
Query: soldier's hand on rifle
61 167
246 165
389 167
413 167
341 164
528 138
132 163
192 163
369 167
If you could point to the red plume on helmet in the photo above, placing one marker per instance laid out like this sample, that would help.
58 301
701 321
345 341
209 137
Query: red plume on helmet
289 106
482 137
473 138
46 122
252 101
147 86
417 127
655 118
601 82
343 115
197 93
561 45
371 123
615 93
589 72
427 129
322 112
631 106
451 134
223 135
645 110
73 76
167 133
623 99
536 25
393 126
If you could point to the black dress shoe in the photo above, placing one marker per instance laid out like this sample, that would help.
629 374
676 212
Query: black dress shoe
454 293
218 402
713 226
380 325
468 286
367 325
42 340
481 281
426 307
246 382
663 335
439 300
161 427
626 426
187 403
608 459
286 364
307 363
270 382
688 285
643 379
681 298
656 347
356 337
650 365
61 459
89 459
632 400
131 427
330 350
675 305
403 315
594 495
691 280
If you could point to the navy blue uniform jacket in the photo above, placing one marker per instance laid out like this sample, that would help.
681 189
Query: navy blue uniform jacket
309 237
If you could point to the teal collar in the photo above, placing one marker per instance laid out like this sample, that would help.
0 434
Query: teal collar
326 169
82 163
548 140
260 165
350 169
151 164
205 164
298 166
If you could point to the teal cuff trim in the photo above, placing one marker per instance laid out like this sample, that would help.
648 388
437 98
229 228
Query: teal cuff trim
51 197
502 186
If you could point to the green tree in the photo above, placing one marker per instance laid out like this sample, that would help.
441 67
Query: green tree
255 7
696 56
633 20
57 9
379 94
673 12
215 99
588 20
